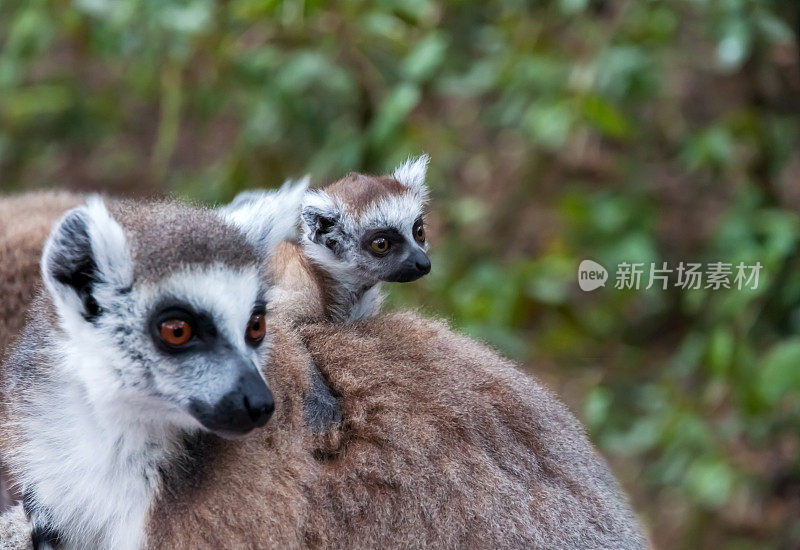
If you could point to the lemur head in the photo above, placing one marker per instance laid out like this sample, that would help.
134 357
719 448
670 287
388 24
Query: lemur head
370 227
160 308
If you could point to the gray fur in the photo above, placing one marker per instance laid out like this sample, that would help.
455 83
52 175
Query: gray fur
162 232
322 411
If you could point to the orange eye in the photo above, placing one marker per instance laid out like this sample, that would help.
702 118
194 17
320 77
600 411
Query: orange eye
175 332
380 245
256 329
419 233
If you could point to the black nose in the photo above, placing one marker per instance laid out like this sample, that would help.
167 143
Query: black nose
414 266
423 265
248 405
259 406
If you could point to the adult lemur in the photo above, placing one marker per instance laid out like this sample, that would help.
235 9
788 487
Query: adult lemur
356 233
443 444
151 329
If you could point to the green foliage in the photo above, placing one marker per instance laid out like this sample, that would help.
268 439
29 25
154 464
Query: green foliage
641 131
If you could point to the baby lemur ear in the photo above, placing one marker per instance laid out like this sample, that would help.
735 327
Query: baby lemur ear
86 250
321 214
267 217
412 174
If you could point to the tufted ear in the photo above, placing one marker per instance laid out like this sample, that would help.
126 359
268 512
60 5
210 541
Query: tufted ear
412 174
87 249
321 215
267 217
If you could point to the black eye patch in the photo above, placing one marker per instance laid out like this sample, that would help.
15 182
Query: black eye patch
325 224
392 235
260 307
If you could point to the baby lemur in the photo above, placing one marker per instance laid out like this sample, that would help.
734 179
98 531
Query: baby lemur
151 328
356 233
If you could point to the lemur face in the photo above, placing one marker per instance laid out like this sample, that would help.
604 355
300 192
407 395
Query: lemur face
161 309
198 337
372 228
395 253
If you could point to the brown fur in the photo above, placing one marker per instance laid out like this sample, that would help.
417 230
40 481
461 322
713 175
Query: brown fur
302 286
360 191
444 444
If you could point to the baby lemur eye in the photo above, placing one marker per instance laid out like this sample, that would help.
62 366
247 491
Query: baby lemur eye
175 332
419 232
256 329
380 245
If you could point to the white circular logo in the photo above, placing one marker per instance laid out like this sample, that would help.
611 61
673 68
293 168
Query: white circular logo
591 275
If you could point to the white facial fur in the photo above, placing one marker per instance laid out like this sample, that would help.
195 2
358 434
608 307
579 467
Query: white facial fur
111 255
412 174
122 409
125 356
113 407
396 211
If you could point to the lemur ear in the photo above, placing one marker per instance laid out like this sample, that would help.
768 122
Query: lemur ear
320 215
86 249
267 217
412 173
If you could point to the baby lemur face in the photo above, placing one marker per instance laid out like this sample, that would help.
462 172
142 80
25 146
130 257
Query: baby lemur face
370 228
161 310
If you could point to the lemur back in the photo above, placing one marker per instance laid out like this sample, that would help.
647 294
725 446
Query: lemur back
451 446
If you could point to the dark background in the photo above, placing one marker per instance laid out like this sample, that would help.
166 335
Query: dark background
606 129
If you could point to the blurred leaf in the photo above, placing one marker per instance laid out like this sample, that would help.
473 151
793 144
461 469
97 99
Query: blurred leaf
21 106
709 149
780 372
606 117
734 47
596 406
710 482
548 124
392 111
425 58
720 351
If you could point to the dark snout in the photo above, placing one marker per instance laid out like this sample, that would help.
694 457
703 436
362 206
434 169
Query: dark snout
415 265
241 406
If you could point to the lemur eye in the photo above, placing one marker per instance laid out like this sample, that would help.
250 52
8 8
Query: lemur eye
175 332
419 232
256 329
380 245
